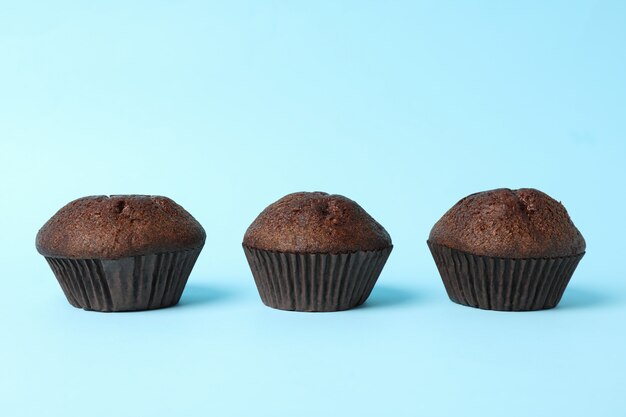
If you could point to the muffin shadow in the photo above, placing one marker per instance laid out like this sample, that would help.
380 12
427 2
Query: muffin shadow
583 297
201 294
389 296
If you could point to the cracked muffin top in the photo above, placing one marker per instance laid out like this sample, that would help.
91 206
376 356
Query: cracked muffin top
316 223
119 226
524 223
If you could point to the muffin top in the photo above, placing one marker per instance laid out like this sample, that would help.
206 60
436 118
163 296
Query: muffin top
316 223
524 223
119 226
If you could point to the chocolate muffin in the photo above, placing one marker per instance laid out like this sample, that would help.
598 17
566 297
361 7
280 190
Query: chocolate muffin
123 252
315 252
510 250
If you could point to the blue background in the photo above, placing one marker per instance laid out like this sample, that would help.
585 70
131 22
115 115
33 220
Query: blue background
405 107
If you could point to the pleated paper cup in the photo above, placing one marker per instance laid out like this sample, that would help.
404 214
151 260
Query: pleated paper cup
134 283
315 281
504 284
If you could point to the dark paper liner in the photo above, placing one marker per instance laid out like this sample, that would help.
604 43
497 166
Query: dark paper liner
127 284
504 284
315 281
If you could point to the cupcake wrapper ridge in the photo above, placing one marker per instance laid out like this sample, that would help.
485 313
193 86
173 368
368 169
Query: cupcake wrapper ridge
133 283
504 284
315 281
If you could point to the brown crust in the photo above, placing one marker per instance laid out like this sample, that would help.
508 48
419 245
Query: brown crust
524 223
119 226
316 223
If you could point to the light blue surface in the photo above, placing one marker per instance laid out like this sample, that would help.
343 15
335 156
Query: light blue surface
404 107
